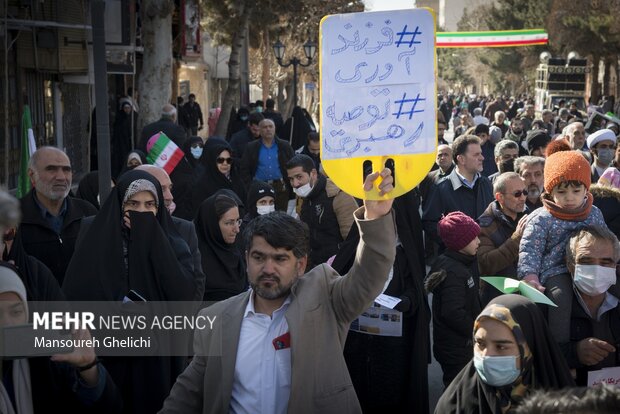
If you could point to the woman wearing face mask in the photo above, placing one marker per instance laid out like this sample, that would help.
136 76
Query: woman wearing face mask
132 245
220 172
514 353
193 148
217 227
261 200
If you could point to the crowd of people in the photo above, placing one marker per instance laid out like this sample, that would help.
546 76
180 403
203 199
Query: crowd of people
328 300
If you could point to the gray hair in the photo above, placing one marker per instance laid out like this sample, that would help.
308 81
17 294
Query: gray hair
10 214
570 128
597 233
503 145
497 114
499 186
168 112
528 161
477 111
34 158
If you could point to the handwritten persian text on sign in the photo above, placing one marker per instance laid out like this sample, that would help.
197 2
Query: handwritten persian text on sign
378 84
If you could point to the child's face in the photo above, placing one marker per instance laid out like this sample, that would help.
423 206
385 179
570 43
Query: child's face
569 197
472 247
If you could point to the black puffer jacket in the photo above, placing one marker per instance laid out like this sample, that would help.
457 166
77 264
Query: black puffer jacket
454 282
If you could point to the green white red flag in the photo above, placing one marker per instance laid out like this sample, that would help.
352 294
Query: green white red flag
495 38
28 147
164 152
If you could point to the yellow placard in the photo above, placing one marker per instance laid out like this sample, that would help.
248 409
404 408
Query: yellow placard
378 97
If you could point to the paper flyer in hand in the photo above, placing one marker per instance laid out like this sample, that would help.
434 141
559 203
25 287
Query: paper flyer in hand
509 285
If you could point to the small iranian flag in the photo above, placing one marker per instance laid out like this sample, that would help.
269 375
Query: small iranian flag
28 147
163 152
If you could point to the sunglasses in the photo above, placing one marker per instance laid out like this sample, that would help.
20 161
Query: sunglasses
518 194
222 160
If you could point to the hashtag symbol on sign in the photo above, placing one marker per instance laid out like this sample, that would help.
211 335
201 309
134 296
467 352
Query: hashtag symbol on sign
413 103
404 33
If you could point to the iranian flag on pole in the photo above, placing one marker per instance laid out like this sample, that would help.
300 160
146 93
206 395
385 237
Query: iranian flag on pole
163 152
28 147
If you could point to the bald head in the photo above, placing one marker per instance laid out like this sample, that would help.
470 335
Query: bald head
50 172
576 134
267 129
444 157
10 213
169 112
164 180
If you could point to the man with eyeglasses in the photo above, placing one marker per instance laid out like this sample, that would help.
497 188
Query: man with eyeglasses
501 228
51 219
506 152
265 160
532 169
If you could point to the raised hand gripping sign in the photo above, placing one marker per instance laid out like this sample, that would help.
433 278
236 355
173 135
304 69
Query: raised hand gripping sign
378 97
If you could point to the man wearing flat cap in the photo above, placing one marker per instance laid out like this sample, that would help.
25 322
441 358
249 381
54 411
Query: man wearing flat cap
602 145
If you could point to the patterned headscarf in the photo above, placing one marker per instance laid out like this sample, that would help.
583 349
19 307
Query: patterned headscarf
518 389
138 186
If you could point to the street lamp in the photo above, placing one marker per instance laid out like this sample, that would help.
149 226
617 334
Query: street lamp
309 51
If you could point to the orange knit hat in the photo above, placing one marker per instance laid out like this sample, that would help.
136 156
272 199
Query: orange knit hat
566 166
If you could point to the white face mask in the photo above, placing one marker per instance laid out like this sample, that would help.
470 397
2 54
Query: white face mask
594 279
262 210
303 191
196 152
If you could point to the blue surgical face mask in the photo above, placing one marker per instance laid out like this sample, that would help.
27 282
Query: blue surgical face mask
243 118
497 371
196 152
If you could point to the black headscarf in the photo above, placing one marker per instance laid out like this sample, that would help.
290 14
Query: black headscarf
545 369
88 188
187 149
159 264
212 180
235 123
300 123
406 284
258 189
223 264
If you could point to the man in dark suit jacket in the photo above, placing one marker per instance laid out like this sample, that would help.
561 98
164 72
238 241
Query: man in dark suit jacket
465 189
307 318
50 218
265 160
166 124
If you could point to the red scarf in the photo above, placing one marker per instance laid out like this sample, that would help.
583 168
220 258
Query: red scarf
578 214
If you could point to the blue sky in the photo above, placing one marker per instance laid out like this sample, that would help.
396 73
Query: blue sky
376 5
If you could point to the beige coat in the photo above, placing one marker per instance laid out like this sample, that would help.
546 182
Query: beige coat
322 307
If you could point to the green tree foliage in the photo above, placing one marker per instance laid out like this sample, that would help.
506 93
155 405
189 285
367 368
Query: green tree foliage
589 27
508 66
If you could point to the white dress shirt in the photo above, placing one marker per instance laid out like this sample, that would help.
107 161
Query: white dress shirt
262 382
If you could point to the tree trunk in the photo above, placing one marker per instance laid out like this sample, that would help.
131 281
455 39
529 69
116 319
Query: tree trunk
266 65
156 76
607 77
234 68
